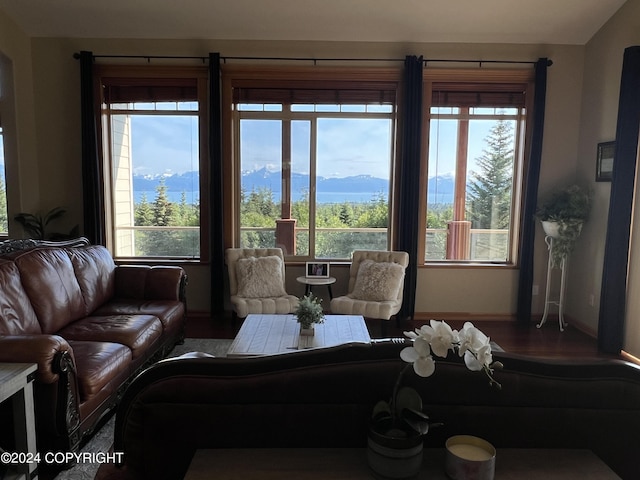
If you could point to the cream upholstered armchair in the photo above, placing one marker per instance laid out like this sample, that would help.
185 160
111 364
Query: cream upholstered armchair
257 281
376 284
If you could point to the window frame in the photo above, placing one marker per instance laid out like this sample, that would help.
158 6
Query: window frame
477 78
154 75
239 76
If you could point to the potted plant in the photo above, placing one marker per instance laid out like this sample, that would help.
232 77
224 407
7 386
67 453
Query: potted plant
562 215
35 225
398 425
309 312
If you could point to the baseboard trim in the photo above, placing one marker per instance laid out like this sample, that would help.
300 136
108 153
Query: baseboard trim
463 316
630 358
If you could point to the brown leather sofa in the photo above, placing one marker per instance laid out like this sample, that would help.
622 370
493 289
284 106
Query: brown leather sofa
89 324
324 398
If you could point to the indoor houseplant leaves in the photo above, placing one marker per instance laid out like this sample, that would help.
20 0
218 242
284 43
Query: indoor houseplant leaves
309 312
35 224
562 215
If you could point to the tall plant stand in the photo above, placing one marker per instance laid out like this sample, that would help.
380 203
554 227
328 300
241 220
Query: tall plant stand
563 277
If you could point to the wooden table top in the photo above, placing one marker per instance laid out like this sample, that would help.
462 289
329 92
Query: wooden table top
351 464
14 377
270 334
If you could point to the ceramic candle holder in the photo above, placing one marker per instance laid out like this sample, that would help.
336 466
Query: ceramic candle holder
469 458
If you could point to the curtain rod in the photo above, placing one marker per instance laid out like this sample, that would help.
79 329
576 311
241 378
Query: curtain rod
480 62
315 60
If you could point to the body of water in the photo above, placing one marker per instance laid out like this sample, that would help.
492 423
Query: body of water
322 197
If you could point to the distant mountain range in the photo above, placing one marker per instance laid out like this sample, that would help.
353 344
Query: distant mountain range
357 188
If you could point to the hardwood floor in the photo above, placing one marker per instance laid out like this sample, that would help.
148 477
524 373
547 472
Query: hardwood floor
513 337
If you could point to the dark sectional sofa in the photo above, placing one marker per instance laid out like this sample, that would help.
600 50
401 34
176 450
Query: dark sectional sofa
324 398
90 326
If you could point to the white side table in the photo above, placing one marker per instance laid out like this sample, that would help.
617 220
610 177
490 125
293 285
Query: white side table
312 281
16 385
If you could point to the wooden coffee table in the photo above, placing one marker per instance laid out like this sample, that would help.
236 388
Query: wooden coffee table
270 334
351 464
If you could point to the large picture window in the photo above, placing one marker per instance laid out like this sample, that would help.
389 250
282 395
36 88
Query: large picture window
475 158
315 166
152 136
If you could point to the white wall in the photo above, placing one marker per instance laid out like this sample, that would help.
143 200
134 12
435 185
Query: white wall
602 70
18 121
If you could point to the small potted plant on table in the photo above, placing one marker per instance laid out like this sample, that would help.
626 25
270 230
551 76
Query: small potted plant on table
309 312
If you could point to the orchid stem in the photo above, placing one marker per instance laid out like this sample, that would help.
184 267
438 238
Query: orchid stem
396 388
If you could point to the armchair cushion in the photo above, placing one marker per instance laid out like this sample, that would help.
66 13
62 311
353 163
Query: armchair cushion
378 281
260 277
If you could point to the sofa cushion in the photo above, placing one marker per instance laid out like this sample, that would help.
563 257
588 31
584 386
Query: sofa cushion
95 271
97 363
16 313
156 282
50 282
138 332
260 277
171 313
378 281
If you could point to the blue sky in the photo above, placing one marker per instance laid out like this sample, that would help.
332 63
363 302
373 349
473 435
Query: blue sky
442 138
346 147
164 144
168 145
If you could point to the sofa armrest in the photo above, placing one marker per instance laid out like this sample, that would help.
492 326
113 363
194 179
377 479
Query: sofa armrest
52 353
151 282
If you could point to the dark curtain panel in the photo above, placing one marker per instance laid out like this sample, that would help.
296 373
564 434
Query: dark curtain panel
409 183
92 181
216 240
532 176
614 274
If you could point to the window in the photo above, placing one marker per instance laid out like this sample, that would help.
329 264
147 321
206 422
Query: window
152 129
475 158
314 166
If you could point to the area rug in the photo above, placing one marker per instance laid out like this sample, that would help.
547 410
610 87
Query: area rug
103 439
212 346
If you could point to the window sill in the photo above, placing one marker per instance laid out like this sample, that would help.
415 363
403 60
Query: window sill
474 265
158 261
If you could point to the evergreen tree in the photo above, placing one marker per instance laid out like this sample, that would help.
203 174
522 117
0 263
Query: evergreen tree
162 208
376 215
143 213
489 193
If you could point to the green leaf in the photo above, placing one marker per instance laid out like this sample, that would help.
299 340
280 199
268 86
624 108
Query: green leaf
381 410
417 420
54 213
407 397
32 225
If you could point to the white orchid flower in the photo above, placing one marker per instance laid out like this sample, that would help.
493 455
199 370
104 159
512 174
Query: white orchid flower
475 346
425 331
443 338
471 338
438 338
420 356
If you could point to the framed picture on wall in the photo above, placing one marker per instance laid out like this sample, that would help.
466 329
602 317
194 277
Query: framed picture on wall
317 269
604 163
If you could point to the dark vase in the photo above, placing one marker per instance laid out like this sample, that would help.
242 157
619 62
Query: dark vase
393 453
